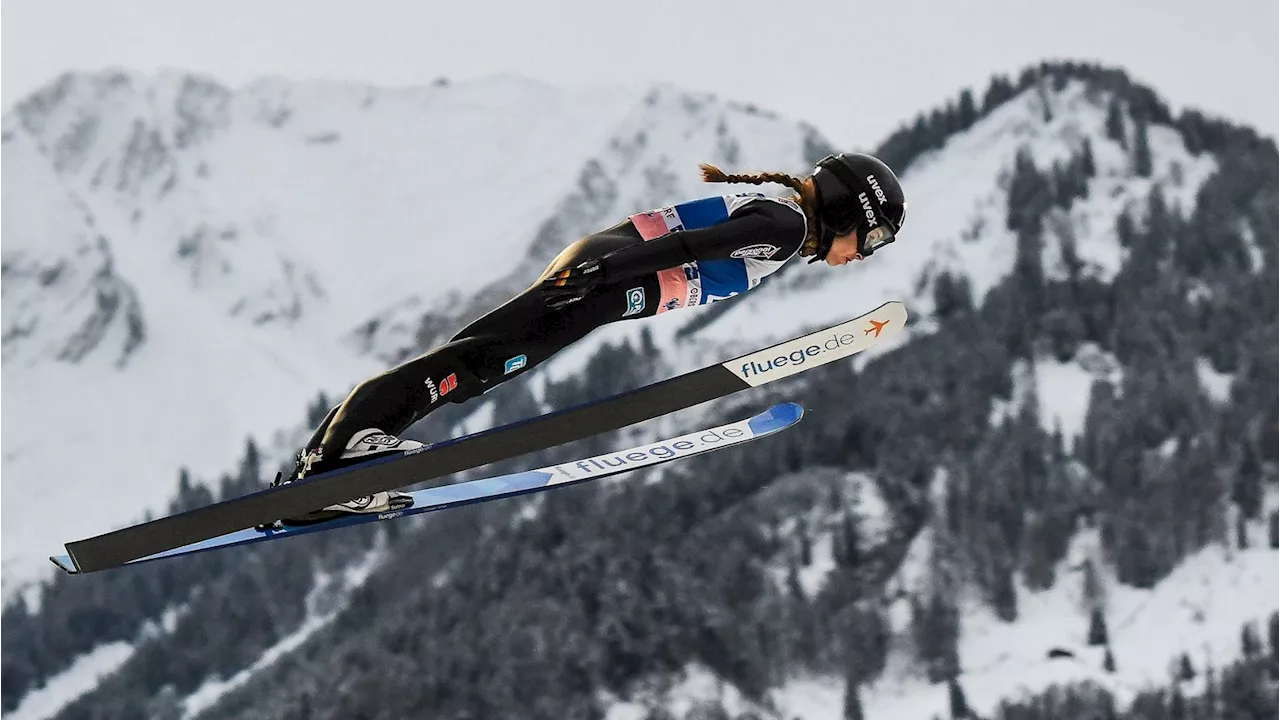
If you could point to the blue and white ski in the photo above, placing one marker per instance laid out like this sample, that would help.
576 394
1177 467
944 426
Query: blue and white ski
781 360
775 419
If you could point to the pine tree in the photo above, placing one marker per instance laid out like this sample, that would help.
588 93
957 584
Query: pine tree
250 472
1087 163
1092 592
852 698
1004 597
794 586
1046 103
1030 193
952 296
1247 490
866 641
191 494
1177 704
1141 151
1109 661
317 410
936 628
1126 233
1161 227
1063 190
1249 644
806 542
1038 573
1097 628
1107 707
1274 629
1209 697
967 114
998 92
1115 122
959 704
849 555
1185 671
1275 530
835 498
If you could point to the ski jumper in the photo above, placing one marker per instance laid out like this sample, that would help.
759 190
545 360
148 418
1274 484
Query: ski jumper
679 256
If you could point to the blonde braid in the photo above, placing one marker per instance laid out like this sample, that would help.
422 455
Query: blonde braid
806 197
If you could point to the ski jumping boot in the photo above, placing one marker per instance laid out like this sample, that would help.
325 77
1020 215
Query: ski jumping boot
368 444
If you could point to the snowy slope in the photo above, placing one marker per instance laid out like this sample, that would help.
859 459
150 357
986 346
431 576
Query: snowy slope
62 293
253 190
1199 609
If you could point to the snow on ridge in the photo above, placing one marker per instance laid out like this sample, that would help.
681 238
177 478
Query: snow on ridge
1216 385
82 677
1060 389
860 496
695 686
327 599
62 294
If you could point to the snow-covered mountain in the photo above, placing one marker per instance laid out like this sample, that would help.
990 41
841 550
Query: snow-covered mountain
186 265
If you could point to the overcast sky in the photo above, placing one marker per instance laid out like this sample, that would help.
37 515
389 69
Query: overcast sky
855 69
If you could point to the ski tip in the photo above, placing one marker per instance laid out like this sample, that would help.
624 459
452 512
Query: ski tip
65 563
779 417
787 412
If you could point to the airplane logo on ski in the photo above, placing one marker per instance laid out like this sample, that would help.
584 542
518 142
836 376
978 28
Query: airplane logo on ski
876 327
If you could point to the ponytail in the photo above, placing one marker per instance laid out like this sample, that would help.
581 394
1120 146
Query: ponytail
806 197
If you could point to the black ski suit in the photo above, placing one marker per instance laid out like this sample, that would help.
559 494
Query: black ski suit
650 267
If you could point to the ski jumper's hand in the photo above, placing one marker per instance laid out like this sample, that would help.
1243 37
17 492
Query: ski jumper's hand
572 284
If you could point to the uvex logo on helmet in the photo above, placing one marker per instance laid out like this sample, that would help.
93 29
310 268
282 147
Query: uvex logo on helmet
866 208
875 185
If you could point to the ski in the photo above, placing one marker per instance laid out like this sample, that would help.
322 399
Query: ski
774 420
784 359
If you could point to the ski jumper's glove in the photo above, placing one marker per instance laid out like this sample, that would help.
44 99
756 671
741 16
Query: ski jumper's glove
572 284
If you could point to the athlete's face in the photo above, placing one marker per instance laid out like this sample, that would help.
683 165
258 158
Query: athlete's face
843 249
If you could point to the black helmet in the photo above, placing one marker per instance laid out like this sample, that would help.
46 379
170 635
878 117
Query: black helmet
857 192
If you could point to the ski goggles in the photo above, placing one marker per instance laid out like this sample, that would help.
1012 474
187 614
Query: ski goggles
875 238
868 240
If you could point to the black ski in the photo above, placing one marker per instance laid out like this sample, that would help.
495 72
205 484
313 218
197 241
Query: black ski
119 547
